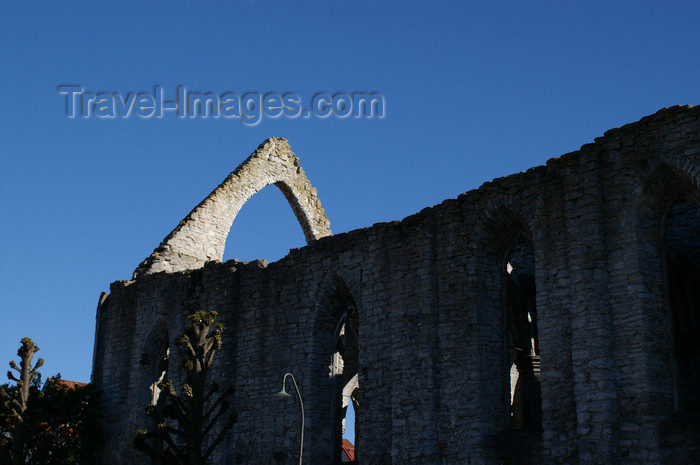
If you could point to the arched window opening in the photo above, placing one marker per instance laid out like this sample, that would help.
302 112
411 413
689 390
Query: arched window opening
154 367
265 227
160 372
343 371
524 353
682 250
154 362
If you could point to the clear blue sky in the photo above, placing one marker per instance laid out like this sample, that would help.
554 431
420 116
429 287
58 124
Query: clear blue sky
473 91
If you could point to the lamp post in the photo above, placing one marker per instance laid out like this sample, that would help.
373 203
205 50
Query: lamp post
284 393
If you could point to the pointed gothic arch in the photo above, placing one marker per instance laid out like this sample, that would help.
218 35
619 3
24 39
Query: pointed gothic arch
337 363
201 236
507 241
153 366
524 347
265 227
344 366
670 219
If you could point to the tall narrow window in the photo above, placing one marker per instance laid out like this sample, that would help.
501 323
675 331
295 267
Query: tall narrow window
343 369
160 372
525 393
682 244
154 365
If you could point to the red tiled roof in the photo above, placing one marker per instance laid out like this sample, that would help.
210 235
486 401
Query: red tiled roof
66 383
348 451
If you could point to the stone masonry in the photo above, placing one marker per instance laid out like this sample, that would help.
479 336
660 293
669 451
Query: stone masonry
201 236
548 317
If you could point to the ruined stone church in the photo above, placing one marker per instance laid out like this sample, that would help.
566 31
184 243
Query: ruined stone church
547 317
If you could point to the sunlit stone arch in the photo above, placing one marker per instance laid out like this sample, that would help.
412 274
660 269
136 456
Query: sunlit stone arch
201 236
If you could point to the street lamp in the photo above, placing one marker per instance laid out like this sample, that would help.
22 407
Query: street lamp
284 393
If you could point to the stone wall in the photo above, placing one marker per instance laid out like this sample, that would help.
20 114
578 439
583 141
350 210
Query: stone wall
435 323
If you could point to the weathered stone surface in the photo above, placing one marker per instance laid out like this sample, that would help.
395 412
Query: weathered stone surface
201 236
590 234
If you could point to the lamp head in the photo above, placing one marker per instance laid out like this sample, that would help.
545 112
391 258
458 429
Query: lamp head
283 393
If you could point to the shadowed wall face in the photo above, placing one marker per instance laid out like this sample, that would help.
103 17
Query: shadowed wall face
547 317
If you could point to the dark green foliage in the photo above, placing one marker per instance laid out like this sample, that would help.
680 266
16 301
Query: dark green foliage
186 420
66 427
56 426
16 401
